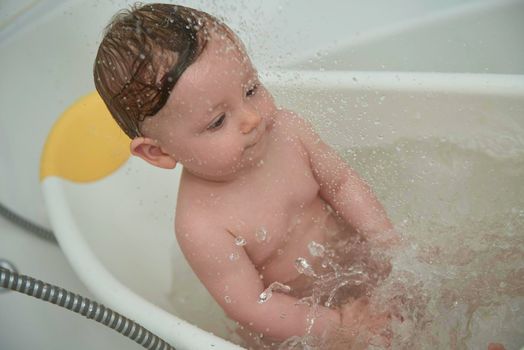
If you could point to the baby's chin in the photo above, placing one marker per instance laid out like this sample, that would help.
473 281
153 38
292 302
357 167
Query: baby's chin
247 159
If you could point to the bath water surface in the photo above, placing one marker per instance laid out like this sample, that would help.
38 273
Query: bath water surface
457 278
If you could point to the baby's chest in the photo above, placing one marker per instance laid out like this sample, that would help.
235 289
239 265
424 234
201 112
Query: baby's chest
265 214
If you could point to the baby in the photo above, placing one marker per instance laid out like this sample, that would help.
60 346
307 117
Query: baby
258 185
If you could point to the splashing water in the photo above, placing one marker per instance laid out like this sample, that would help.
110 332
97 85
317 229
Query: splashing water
316 249
304 267
273 287
457 279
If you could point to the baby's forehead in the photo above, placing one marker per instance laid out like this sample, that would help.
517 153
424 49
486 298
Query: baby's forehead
222 67
227 48
222 58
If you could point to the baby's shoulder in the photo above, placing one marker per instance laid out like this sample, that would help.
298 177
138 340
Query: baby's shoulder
195 206
194 220
294 126
287 121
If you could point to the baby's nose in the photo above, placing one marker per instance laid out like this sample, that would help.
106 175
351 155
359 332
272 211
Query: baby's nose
249 122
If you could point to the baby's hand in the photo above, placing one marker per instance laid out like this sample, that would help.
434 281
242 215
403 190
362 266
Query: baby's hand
387 239
364 326
383 247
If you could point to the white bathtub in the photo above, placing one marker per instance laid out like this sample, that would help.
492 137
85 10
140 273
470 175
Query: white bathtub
127 255
117 232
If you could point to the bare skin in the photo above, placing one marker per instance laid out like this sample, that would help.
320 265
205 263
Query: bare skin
253 172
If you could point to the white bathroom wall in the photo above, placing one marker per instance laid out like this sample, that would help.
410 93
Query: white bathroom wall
10 10
475 37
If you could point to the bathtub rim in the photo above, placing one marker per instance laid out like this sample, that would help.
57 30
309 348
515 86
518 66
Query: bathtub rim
453 83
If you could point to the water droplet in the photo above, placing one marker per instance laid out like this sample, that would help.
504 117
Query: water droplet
264 296
234 256
227 299
316 249
240 241
273 287
261 234
304 267
306 301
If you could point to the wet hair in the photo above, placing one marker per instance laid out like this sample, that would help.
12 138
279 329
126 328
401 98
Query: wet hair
142 55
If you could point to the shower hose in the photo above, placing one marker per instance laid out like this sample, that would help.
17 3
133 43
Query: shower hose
73 302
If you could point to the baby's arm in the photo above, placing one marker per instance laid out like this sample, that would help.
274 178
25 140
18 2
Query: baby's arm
229 275
342 188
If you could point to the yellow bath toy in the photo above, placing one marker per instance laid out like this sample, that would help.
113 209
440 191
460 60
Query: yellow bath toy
85 144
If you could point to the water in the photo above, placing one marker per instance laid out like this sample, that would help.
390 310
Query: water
457 278
273 287
261 235
240 241
456 281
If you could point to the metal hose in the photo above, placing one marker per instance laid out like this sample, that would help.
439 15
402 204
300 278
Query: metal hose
24 284
16 219
81 305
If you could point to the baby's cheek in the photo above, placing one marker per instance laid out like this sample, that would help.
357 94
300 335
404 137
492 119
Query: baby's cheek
264 111
227 153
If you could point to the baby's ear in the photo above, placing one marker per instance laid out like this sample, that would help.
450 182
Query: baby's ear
149 150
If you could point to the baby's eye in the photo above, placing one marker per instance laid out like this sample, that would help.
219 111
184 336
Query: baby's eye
252 91
217 123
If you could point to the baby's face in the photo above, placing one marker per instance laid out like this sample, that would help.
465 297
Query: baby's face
217 118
